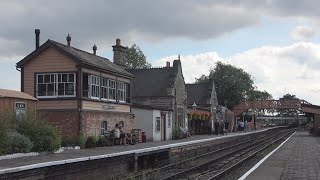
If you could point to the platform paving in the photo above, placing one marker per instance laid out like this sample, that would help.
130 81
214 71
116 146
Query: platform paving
9 165
297 159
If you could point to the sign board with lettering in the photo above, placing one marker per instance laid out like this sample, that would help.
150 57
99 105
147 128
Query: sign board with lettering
108 107
20 108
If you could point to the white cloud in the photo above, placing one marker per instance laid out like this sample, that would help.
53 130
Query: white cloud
279 70
303 33
193 66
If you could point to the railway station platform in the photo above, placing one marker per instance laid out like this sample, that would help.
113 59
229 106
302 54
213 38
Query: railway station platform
72 156
297 158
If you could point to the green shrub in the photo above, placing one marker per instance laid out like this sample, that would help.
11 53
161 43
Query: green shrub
91 142
19 143
95 139
68 142
4 139
7 120
45 137
81 140
176 133
102 141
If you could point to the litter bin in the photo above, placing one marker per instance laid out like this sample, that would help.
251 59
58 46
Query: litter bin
144 137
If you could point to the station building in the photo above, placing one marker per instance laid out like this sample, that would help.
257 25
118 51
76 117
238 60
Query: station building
78 91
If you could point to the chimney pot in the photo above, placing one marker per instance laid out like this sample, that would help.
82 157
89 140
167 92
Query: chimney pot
168 64
37 32
94 49
118 42
68 39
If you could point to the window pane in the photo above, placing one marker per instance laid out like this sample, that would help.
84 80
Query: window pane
40 78
47 78
41 89
61 89
71 77
69 88
50 89
59 78
52 78
64 77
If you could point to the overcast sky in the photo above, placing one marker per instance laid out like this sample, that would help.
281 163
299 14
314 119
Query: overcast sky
277 42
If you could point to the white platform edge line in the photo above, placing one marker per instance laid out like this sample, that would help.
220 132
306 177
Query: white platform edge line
66 161
262 160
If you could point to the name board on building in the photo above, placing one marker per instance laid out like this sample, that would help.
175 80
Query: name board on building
20 108
108 106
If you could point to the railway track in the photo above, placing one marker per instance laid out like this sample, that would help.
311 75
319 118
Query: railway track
223 168
214 164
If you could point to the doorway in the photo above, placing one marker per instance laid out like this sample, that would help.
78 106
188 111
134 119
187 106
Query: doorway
163 126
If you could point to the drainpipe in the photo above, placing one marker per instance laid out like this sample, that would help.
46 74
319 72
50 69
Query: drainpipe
79 95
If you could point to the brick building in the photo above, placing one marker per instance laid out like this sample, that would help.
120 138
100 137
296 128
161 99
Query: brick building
162 88
77 90
17 102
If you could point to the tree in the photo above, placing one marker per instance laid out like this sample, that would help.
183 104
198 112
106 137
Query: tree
255 95
136 59
232 84
289 112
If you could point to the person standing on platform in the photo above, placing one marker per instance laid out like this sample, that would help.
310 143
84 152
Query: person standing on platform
226 126
122 135
221 127
242 125
216 127
246 125
209 127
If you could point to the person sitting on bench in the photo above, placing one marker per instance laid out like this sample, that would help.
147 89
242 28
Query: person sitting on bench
185 132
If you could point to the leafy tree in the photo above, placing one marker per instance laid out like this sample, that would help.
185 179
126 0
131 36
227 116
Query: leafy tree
232 84
288 112
258 95
136 59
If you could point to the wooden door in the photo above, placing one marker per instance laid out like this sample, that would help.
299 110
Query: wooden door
163 127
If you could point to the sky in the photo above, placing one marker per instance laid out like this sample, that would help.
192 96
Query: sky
276 41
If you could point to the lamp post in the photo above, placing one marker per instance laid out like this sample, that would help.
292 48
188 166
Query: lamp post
194 107
243 114
214 116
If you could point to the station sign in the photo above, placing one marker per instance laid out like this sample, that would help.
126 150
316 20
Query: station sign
20 109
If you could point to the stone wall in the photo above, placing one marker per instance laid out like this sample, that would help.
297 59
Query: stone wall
107 168
180 92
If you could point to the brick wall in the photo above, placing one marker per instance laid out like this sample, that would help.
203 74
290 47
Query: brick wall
66 121
91 121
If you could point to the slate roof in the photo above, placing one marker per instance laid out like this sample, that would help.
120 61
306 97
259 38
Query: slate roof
198 93
6 93
142 106
79 56
151 82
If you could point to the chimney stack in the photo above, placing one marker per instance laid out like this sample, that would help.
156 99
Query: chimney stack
168 64
119 54
94 49
118 42
37 32
68 39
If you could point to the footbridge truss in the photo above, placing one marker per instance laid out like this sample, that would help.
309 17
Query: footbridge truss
302 105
